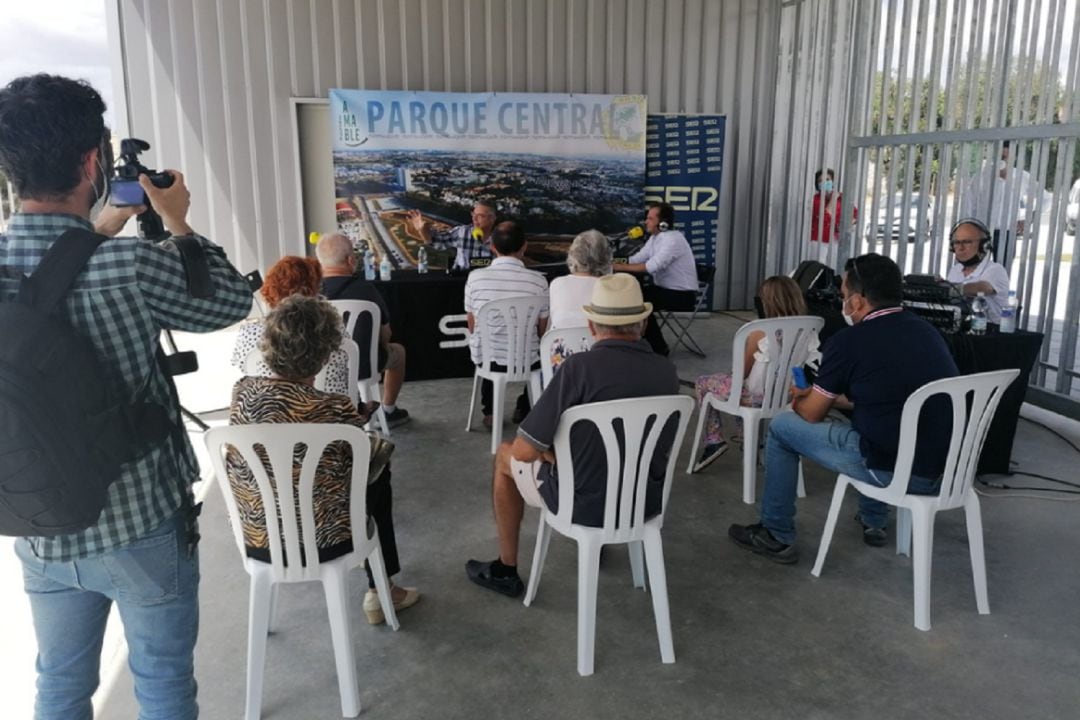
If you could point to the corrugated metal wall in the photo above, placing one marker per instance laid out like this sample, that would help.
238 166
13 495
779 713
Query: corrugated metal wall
813 90
208 82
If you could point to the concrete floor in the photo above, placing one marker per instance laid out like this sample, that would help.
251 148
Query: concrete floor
752 639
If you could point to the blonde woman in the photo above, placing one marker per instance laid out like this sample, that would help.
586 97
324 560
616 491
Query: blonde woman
780 297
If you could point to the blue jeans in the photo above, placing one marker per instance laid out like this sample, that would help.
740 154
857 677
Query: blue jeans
154 582
834 446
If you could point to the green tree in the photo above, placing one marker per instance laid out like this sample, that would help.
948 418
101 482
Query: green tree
887 106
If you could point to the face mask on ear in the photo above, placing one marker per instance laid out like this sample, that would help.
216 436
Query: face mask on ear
101 196
847 318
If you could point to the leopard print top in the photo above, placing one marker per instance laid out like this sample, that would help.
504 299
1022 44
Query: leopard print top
273 400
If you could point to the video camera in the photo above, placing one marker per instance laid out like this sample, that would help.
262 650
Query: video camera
126 191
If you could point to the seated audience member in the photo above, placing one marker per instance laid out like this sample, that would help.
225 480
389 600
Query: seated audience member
291 275
340 282
974 269
870 368
506 277
588 258
780 297
300 335
619 366
667 257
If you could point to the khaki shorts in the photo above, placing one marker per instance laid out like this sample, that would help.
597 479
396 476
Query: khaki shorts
528 484
395 353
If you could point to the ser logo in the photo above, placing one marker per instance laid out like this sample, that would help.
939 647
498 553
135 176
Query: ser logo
456 328
684 197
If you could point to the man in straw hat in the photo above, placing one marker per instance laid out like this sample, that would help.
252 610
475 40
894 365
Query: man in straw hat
620 365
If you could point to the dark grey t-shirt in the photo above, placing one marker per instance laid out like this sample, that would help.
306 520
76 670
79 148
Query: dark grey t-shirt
611 370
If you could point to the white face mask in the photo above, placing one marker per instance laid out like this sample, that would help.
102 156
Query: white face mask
101 197
850 320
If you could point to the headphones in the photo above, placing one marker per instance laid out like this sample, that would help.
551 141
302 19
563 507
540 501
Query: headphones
666 214
984 241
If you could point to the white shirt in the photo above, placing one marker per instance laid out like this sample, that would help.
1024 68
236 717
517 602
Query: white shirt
506 277
991 272
996 200
569 294
670 261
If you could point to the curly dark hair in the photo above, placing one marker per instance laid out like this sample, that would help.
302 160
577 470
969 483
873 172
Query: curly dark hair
292 275
299 336
47 124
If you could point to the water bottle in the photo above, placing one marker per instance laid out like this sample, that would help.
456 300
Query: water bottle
369 265
978 315
1008 314
385 268
421 260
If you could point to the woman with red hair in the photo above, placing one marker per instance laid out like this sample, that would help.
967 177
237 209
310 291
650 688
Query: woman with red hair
291 275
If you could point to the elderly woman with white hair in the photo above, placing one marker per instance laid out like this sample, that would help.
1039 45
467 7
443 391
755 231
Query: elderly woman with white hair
589 258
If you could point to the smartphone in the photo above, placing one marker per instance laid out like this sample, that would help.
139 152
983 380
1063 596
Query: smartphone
126 193
798 375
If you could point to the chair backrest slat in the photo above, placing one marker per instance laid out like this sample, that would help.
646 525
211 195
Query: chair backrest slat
517 319
640 422
277 443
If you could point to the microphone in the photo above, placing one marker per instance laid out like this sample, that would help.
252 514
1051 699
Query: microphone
635 233
477 234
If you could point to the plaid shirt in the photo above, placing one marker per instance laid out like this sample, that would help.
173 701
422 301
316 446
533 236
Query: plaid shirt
460 237
129 292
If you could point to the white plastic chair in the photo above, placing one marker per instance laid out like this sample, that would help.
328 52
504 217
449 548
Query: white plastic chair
624 508
351 310
559 344
974 401
518 319
255 365
789 338
278 442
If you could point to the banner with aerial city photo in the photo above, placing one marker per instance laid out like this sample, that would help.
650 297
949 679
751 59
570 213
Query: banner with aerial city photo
558 164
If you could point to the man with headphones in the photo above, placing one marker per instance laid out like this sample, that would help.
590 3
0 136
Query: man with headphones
667 257
974 269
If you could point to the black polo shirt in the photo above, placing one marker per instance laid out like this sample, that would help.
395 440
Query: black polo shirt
877 364
353 287
611 370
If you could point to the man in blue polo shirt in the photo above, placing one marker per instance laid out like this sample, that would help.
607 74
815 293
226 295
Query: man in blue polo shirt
619 365
870 369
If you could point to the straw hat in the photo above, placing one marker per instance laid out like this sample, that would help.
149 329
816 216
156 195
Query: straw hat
616 300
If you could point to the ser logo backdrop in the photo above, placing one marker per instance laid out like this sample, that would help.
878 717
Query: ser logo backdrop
559 164
685 159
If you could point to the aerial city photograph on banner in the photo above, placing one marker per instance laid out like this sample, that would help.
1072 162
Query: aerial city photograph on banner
411 166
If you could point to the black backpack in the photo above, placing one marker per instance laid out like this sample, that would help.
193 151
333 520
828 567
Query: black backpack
63 436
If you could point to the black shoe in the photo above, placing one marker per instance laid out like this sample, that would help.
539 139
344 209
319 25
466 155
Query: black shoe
709 454
480 573
872 536
756 538
400 416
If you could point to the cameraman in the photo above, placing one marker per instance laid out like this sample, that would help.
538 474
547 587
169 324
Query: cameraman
141 552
